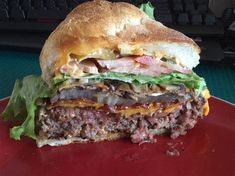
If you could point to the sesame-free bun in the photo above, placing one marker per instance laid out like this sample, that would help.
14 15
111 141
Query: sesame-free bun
100 29
58 142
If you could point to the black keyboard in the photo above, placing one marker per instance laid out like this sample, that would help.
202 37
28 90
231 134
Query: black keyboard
192 17
27 23
33 15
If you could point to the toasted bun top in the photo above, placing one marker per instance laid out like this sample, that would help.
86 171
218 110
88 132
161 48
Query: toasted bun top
99 29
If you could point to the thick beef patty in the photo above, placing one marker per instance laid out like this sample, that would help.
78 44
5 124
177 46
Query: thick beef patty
88 123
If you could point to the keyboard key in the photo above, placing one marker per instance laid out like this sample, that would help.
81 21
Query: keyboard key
210 19
196 19
178 8
177 2
26 5
50 4
202 8
16 13
72 3
13 3
3 15
188 1
3 5
189 7
162 8
53 14
38 4
183 18
194 12
62 4
199 1
164 18
162 11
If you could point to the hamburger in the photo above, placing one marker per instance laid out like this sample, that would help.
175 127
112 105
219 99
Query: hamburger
108 72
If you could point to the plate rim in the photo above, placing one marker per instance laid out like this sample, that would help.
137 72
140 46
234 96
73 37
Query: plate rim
2 99
225 101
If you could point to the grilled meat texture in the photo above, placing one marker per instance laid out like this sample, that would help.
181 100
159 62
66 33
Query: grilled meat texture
88 123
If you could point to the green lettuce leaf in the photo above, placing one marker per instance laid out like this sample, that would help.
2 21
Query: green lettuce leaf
148 9
22 105
192 81
59 79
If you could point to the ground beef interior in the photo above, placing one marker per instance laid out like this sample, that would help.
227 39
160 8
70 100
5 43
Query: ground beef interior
88 123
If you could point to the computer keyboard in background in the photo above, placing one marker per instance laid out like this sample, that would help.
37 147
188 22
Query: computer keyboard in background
27 23
191 17
195 19
33 15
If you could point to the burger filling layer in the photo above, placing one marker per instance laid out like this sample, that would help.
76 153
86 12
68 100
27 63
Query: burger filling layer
93 99
91 110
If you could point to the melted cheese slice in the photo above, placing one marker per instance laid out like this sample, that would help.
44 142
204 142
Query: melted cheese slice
127 112
82 103
206 107
138 109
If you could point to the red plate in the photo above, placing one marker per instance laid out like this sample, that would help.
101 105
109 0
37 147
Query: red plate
208 149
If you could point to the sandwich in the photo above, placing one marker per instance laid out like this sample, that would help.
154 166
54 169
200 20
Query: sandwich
109 71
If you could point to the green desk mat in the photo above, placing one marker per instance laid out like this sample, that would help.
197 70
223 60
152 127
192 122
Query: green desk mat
15 65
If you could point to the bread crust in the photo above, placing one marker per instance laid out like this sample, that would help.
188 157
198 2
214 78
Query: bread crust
101 24
59 142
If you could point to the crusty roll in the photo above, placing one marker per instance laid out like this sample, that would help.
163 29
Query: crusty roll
101 29
58 142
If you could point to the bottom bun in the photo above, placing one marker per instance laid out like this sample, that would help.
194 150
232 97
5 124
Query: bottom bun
59 142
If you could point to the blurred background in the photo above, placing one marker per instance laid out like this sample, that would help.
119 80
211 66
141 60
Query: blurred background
26 24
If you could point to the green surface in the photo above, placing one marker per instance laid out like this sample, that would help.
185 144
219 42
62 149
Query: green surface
15 65
220 80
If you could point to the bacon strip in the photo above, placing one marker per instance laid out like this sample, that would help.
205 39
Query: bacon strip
88 67
141 65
